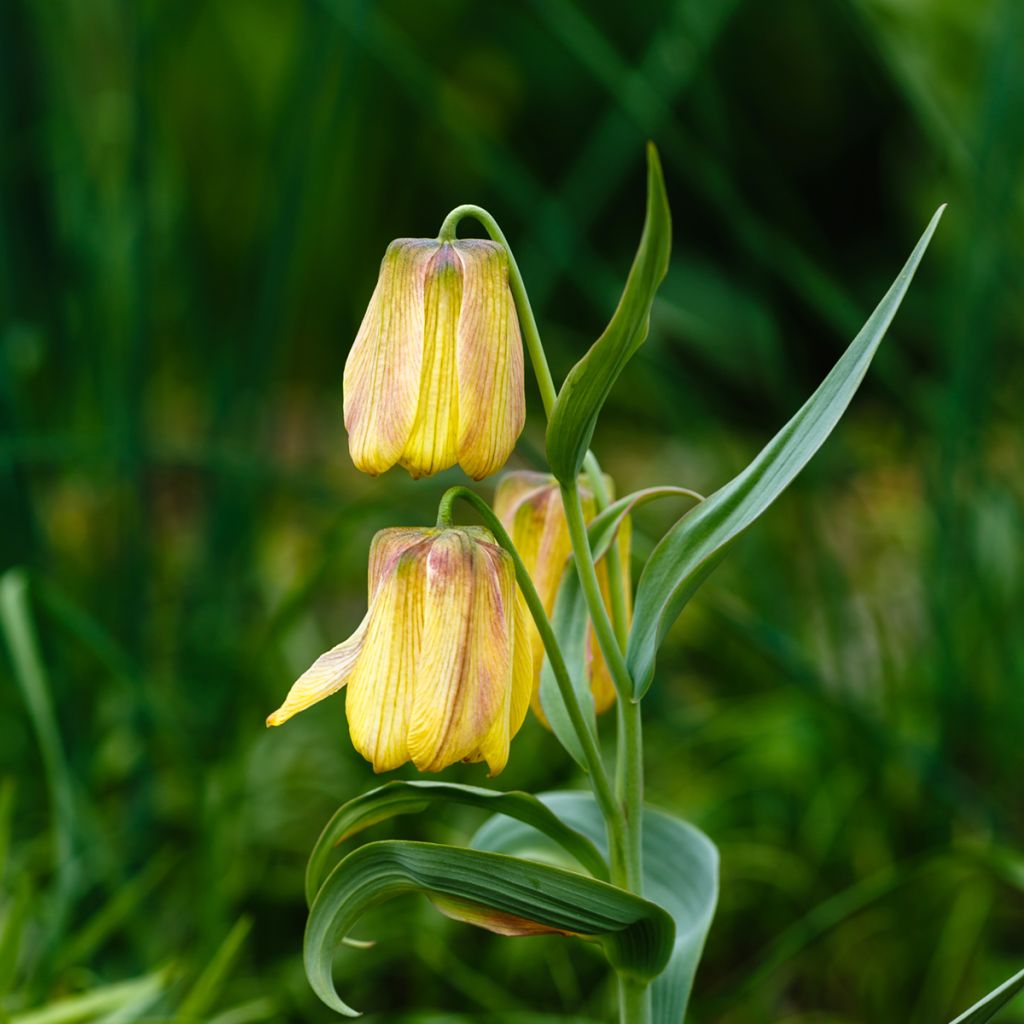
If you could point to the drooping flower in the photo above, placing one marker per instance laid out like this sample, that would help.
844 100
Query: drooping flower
439 670
435 376
529 506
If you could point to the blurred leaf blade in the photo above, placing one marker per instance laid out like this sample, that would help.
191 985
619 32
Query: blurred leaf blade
985 1009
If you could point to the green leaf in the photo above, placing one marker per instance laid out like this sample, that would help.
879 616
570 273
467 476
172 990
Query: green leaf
988 1007
603 527
105 999
569 620
396 798
503 894
680 874
591 380
695 545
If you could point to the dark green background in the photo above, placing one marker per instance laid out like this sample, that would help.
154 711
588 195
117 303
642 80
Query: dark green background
194 198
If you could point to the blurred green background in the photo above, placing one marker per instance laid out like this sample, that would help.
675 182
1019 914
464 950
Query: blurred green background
194 198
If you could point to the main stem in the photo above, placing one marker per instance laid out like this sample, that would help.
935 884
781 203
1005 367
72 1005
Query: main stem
627 866
629 873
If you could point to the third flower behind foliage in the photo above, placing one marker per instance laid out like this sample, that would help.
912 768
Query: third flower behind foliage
435 376
530 507
439 669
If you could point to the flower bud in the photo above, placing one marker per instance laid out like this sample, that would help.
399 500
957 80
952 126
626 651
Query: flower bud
529 506
439 670
435 376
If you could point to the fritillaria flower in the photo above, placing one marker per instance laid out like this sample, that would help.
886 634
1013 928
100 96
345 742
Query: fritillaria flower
439 670
435 376
529 506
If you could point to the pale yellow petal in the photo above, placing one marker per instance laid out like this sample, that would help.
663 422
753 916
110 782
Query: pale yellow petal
378 701
432 444
524 680
382 372
491 402
325 676
386 548
601 685
494 748
515 485
464 674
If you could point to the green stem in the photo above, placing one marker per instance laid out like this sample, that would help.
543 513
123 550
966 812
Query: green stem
613 814
616 570
531 334
634 1001
627 853
626 739
631 754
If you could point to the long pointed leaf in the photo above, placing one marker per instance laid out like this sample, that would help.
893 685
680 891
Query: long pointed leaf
694 546
397 798
503 894
590 381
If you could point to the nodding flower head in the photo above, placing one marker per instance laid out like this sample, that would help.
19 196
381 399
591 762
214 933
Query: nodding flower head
439 670
529 506
435 376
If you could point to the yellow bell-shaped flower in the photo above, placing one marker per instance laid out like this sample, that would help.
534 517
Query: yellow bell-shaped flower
435 376
439 670
529 506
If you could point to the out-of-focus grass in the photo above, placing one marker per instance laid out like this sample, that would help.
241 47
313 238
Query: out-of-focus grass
193 201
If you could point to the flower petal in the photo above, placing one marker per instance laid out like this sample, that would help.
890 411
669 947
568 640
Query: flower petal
463 679
492 406
325 676
386 548
432 444
378 701
382 372
524 679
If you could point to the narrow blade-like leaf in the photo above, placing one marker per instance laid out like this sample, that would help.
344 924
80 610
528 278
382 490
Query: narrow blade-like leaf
591 380
692 548
988 1007
503 894
397 798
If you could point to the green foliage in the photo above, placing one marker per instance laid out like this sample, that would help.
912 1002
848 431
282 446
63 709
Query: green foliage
985 1009
506 894
569 621
194 198
588 384
397 798
601 530
680 874
697 543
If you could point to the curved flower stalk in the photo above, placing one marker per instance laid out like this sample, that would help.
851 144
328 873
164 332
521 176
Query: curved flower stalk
439 670
529 505
435 376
